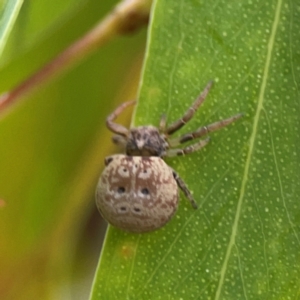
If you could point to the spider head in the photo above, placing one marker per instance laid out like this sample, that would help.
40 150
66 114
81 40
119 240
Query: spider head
146 141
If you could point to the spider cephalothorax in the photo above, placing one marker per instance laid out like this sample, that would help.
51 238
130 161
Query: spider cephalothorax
137 191
146 141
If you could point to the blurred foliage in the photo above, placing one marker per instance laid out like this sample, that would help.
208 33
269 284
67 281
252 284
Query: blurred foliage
52 150
9 13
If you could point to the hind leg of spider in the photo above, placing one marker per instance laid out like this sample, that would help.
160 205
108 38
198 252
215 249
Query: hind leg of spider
185 189
190 112
203 131
187 150
114 127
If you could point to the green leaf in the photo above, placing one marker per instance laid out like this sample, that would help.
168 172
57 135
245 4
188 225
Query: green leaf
244 240
9 14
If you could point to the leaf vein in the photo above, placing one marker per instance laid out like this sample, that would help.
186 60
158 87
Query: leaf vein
251 147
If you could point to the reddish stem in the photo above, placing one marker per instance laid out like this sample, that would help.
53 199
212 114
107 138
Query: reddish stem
128 16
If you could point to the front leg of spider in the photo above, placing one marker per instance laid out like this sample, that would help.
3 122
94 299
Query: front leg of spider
138 191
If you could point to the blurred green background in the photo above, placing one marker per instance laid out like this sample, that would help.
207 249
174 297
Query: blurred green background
52 148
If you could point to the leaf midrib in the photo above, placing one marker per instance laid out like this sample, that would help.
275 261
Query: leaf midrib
251 147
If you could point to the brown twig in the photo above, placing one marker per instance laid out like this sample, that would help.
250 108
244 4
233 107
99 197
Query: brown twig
126 17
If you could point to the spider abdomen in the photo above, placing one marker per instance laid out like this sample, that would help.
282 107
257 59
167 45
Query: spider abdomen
136 193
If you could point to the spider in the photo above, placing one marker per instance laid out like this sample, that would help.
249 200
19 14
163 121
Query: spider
138 191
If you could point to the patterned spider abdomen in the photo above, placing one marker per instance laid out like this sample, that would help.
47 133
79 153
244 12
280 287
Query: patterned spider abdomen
136 193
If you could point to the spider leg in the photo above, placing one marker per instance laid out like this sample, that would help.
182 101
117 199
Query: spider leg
187 150
114 127
185 189
119 140
203 131
163 123
190 112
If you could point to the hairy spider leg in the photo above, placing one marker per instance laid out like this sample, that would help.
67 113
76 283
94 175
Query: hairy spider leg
187 150
190 112
203 131
163 123
182 185
114 127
